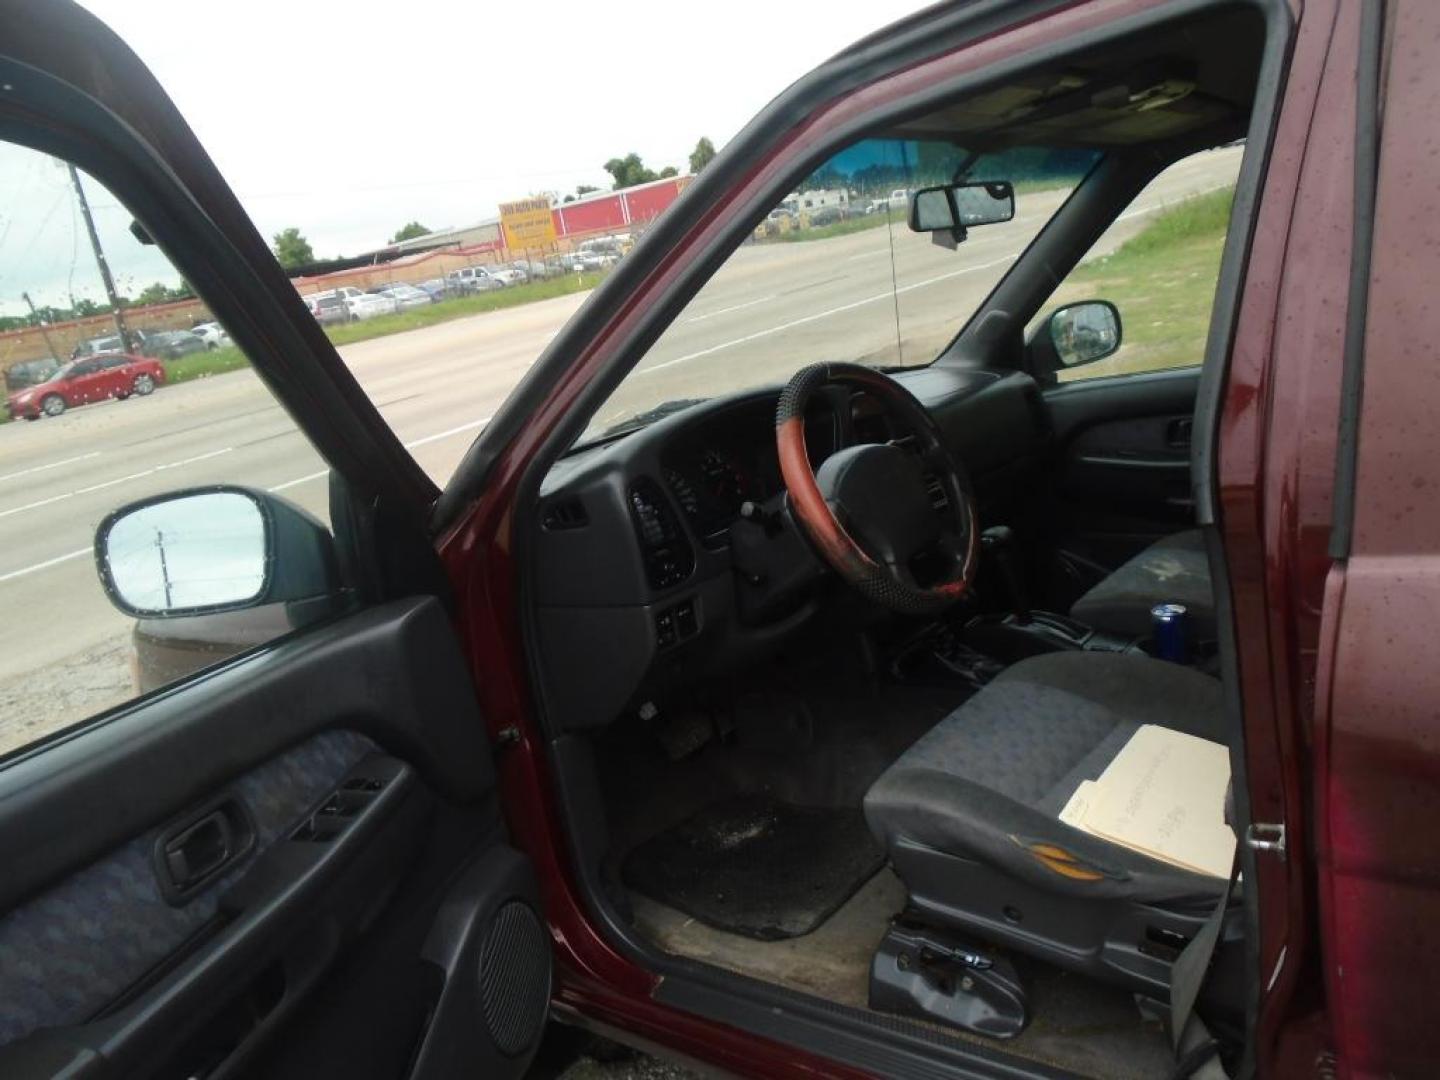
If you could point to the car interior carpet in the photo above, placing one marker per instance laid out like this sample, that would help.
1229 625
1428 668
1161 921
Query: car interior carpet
757 866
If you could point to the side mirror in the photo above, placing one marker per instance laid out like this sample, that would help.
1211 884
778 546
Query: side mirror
950 210
209 550
1084 332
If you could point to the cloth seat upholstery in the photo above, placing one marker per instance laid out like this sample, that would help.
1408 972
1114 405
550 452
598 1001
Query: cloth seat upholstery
988 781
1174 568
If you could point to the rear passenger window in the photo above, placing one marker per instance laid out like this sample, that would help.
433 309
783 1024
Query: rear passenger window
1158 264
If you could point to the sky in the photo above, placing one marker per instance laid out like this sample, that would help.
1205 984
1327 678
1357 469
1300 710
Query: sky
347 121
350 120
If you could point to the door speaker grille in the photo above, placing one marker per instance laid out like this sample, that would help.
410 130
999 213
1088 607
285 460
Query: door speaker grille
515 978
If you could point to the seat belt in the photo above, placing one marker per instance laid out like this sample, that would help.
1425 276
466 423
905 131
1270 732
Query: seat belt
1187 974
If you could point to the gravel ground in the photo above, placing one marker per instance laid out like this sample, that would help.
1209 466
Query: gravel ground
51 697
569 1054
638 1067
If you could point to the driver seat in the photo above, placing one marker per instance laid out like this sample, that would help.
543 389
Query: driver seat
968 817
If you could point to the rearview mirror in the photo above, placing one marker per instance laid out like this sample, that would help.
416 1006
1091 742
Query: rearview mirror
951 209
1084 332
209 550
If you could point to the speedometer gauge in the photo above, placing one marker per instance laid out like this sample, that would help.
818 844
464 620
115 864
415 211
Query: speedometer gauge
723 479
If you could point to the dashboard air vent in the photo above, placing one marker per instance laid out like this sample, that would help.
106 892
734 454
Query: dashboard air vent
668 556
565 514
936 490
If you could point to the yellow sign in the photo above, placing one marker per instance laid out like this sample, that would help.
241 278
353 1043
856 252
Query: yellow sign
527 224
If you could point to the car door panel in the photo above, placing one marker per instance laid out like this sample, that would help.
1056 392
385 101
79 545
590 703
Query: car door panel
334 761
117 378
1122 475
81 383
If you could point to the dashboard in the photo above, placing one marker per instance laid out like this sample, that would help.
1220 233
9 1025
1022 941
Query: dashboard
718 464
644 575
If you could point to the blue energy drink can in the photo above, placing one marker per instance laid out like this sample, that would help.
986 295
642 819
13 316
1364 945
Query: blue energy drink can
1168 624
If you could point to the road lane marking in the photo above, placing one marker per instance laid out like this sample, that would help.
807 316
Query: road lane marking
471 426
823 315
51 465
112 483
423 440
44 565
727 310
298 481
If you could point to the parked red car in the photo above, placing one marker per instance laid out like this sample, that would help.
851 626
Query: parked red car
745 720
86 381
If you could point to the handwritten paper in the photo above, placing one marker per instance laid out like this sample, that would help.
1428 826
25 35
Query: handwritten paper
1164 796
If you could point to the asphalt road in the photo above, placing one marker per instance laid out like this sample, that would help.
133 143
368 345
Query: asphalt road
773 308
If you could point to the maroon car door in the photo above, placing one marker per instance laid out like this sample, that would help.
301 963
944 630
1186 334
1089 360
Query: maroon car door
1377 755
290 861
84 383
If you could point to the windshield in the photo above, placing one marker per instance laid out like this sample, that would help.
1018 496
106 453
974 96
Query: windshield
834 273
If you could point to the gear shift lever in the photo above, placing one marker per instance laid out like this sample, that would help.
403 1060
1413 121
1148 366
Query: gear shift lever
999 542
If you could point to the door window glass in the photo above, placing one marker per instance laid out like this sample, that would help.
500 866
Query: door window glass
1158 263
80 438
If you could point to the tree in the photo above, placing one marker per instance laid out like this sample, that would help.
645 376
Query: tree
160 293
409 232
581 190
292 249
702 155
629 171
825 178
668 171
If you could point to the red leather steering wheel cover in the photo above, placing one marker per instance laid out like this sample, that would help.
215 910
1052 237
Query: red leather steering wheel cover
806 502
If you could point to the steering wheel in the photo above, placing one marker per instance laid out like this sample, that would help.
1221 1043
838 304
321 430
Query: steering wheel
867 508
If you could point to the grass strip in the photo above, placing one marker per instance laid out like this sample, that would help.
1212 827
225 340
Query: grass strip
218 361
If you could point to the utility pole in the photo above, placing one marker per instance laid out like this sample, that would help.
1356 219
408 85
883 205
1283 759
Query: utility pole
105 277
44 330
164 569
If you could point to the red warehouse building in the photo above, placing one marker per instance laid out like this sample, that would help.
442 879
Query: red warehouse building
616 211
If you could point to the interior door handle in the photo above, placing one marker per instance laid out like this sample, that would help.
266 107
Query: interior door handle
193 852
199 851
1178 432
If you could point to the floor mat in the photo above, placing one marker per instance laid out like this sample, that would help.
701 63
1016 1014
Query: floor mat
757 866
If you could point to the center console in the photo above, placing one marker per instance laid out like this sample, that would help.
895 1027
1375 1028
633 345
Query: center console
1022 632
1016 635
974 651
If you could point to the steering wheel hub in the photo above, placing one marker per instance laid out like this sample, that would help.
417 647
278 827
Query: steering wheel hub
877 493
868 511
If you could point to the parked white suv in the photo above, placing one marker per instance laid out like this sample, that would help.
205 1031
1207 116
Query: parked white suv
473 279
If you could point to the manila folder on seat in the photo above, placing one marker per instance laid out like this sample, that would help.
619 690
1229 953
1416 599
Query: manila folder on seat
1164 796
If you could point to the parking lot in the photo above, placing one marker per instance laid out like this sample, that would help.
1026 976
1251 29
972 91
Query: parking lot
64 652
